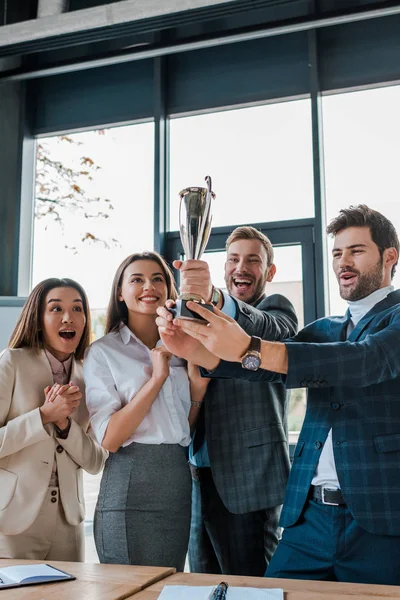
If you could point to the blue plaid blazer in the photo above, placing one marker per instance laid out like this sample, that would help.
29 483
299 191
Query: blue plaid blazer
353 388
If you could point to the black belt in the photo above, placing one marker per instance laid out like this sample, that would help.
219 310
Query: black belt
327 495
198 472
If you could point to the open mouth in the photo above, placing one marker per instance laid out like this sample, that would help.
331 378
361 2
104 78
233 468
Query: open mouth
149 299
67 334
241 283
348 277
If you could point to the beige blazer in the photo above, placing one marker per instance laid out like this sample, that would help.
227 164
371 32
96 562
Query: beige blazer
27 448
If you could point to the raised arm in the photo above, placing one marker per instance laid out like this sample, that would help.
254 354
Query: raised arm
371 361
112 423
273 319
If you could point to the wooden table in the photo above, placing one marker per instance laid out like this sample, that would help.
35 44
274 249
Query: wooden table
294 589
94 581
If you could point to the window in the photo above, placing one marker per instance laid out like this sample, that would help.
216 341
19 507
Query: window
94 207
259 158
362 148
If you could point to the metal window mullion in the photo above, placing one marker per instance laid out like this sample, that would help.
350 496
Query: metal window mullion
320 267
161 131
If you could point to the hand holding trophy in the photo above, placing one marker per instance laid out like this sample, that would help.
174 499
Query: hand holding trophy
195 228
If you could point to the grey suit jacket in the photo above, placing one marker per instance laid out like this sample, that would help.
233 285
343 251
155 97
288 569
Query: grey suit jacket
246 423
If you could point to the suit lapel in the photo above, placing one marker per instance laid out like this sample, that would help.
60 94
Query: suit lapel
77 376
338 328
390 300
46 365
361 326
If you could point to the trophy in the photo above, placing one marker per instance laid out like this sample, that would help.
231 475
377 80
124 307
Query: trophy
195 228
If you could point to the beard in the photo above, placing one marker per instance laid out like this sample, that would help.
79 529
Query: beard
367 283
257 289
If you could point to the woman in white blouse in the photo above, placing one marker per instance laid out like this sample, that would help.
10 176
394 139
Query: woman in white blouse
139 401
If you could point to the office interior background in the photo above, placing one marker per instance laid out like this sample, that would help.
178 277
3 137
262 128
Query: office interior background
109 109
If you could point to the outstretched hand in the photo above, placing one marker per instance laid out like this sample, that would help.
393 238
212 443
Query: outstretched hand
180 343
221 335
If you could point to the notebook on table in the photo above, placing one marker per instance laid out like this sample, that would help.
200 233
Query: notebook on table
20 575
191 592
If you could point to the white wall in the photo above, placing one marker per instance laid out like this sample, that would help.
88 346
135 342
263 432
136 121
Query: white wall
10 309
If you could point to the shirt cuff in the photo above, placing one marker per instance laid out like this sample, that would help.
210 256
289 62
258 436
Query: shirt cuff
229 307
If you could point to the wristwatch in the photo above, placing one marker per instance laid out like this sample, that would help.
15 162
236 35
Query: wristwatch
62 434
215 296
251 359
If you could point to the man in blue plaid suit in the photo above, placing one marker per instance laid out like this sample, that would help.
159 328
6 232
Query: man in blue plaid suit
341 511
239 456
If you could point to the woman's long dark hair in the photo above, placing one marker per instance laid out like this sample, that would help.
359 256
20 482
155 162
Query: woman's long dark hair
117 310
28 332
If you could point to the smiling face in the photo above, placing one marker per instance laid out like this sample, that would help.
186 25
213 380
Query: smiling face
246 270
143 288
358 265
63 321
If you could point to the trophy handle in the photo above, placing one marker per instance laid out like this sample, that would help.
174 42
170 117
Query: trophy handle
207 208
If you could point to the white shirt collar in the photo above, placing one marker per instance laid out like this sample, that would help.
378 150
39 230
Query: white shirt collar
359 308
125 333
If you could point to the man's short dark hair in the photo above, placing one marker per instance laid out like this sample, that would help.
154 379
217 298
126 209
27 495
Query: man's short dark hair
383 232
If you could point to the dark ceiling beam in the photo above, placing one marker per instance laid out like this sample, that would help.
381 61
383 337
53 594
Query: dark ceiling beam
253 33
91 24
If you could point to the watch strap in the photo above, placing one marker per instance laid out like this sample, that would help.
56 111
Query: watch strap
215 296
62 434
255 344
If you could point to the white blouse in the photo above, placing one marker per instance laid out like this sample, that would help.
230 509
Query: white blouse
115 368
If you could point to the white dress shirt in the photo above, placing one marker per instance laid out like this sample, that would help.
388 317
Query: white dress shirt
115 368
325 473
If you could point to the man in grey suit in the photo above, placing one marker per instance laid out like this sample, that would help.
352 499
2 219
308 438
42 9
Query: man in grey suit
239 456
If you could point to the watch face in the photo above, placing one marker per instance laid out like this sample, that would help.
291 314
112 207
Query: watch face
251 362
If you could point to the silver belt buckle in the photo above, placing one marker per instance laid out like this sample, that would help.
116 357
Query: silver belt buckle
323 498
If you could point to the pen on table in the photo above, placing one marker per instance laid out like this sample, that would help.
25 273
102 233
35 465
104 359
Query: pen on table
219 593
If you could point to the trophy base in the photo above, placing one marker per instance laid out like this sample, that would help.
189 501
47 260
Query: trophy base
181 311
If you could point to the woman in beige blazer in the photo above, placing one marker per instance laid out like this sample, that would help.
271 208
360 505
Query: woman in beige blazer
44 427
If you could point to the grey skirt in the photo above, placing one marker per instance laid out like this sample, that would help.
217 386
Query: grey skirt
142 515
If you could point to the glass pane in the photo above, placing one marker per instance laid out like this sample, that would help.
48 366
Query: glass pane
362 146
94 206
288 281
260 160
